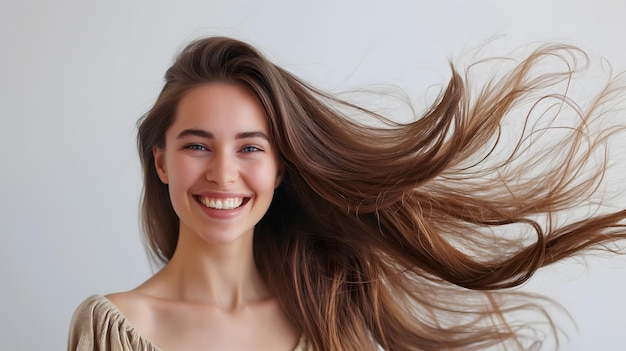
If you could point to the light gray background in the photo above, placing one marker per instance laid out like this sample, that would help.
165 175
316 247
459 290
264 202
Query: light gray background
76 75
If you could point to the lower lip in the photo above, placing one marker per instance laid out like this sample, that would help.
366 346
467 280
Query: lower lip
223 214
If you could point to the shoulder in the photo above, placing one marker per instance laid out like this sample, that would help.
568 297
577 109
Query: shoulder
93 308
97 324
134 305
87 322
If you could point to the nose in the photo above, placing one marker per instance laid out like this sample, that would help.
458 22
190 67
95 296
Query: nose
222 169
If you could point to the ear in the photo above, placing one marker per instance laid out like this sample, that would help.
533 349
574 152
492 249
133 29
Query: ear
279 175
159 164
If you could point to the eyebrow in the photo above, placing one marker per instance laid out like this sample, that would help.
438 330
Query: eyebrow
208 135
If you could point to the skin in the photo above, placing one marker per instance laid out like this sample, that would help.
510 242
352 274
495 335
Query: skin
210 295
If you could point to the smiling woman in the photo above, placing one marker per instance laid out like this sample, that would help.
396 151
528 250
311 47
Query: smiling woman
217 154
283 224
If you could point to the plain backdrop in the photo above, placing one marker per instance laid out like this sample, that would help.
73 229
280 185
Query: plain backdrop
76 75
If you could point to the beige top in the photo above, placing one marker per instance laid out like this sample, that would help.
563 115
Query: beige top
97 325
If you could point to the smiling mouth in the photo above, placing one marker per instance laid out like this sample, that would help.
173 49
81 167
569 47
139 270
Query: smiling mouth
230 203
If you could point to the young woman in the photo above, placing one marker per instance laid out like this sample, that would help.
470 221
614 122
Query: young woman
284 225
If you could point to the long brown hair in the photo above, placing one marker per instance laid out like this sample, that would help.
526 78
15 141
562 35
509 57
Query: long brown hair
407 235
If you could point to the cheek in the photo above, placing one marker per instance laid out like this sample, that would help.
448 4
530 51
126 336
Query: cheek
262 177
183 173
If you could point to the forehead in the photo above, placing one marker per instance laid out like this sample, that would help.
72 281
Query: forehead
219 107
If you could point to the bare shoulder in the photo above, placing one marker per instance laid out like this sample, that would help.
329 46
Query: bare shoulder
136 307
128 301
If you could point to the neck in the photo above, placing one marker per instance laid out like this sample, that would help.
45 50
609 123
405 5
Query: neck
223 275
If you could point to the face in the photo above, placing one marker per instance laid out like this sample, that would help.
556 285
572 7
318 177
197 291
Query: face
218 162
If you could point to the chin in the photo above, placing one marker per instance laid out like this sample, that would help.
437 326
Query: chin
224 237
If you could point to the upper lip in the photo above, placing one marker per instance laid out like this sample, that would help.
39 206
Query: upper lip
220 195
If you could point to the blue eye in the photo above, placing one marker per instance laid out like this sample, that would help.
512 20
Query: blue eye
196 147
250 149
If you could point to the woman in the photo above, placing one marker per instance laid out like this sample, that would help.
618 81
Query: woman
285 225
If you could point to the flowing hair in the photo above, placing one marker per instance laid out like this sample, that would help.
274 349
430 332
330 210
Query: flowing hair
407 236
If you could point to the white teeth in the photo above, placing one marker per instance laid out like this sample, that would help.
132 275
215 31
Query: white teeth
221 204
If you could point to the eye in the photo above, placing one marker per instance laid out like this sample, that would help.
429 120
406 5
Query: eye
195 147
250 149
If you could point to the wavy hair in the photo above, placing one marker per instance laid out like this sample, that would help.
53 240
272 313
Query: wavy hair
407 236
